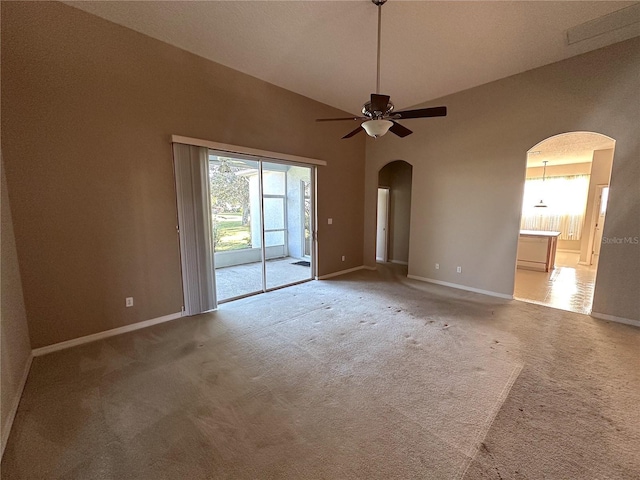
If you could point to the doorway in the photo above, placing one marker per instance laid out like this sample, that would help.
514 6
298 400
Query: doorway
563 214
600 211
382 225
394 212
262 217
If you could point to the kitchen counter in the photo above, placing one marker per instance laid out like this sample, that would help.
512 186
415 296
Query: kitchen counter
537 250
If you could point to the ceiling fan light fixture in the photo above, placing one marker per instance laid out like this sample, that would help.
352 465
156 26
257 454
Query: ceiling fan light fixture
376 128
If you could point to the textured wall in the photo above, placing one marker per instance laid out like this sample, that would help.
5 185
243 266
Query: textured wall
469 170
14 334
88 108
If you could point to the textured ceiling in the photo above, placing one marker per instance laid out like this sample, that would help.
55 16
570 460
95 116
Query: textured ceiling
575 147
326 50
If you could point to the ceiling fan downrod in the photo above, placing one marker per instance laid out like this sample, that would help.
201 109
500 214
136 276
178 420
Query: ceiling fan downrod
378 3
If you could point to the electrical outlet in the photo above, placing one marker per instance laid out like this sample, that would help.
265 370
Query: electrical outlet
437 266
459 269
330 221
128 302
343 258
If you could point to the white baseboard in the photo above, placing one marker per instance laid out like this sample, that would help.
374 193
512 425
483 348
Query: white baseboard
6 427
37 352
461 287
613 318
343 272
399 262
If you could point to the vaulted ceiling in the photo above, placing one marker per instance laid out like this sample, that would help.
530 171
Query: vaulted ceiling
326 50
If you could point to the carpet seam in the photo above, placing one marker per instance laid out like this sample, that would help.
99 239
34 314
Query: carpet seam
502 398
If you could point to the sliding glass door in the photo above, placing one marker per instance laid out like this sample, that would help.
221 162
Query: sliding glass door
286 231
237 226
262 220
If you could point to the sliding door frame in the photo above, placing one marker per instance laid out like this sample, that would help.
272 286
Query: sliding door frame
314 226
313 220
260 156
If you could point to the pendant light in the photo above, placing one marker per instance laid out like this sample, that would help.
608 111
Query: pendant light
544 174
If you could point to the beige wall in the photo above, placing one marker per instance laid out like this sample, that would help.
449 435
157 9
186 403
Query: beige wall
600 175
397 176
469 171
88 108
15 350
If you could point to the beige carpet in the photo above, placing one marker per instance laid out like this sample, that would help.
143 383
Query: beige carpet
366 376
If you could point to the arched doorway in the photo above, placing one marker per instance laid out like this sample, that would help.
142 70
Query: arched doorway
394 212
563 213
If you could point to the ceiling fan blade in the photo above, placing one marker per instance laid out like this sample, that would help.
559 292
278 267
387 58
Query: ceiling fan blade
421 113
379 102
351 134
400 130
336 119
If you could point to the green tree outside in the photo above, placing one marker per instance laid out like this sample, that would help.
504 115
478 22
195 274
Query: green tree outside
230 209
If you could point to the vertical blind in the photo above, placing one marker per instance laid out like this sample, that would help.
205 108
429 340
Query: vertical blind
191 167
566 200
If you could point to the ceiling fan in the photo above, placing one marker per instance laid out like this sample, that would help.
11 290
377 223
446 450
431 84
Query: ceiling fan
378 116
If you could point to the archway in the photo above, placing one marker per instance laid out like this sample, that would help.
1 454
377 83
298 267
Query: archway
563 213
394 212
